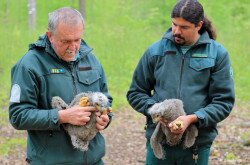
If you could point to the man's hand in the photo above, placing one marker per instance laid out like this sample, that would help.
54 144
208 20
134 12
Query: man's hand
184 120
101 121
76 115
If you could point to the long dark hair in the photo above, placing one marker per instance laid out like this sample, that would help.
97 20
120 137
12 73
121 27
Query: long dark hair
192 11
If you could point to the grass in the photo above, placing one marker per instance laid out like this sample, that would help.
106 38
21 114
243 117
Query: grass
121 39
231 156
7 143
120 31
231 18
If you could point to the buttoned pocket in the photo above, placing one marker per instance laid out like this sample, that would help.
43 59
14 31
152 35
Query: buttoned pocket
199 64
88 77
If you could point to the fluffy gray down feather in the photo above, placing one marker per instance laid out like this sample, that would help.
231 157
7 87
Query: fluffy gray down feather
169 109
81 135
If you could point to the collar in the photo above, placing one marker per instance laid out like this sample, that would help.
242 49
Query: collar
203 39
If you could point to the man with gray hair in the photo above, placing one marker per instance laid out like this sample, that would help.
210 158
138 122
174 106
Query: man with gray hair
60 64
186 64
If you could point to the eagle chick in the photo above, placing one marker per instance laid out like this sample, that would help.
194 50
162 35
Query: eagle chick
81 135
169 110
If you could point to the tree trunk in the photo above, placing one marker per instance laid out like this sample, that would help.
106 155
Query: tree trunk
82 8
32 14
7 7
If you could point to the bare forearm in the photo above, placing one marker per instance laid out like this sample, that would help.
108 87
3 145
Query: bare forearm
76 115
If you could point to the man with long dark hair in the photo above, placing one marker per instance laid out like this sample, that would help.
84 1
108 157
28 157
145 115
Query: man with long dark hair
186 64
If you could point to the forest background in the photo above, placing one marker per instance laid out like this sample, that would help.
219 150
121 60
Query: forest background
120 31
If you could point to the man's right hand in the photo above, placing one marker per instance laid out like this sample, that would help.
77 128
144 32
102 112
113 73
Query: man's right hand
76 115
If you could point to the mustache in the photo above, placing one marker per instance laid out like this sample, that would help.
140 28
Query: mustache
178 36
69 51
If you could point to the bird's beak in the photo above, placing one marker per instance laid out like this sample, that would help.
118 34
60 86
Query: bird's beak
98 107
157 119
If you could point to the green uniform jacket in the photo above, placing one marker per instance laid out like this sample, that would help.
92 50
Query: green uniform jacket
36 78
201 78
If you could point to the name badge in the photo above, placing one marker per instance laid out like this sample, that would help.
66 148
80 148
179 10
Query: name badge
170 52
57 71
85 68
200 55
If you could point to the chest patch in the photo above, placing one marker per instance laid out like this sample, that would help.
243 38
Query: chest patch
169 52
85 68
198 55
57 71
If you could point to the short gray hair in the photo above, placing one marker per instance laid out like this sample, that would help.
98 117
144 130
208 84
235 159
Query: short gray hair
67 15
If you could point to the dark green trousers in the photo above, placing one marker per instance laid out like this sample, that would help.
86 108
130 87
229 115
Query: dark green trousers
176 155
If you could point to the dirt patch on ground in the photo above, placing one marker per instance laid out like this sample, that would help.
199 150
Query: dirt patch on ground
125 140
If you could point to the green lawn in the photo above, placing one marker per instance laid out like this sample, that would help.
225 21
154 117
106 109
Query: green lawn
120 31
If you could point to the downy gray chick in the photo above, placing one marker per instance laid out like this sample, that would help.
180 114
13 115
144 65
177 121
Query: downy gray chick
169 110
81 135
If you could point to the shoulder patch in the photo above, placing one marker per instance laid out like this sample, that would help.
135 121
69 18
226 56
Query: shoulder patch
231 72
15 94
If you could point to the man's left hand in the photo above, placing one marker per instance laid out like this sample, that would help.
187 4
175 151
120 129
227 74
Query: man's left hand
101 121
186 120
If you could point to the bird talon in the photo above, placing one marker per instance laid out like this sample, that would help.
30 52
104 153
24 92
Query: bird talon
177 125
84 101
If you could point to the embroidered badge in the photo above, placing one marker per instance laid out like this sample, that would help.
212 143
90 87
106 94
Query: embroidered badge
199 55
170 52
57 71
85 68
15 94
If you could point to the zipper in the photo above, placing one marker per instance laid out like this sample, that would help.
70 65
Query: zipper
181 71
73 75
180 82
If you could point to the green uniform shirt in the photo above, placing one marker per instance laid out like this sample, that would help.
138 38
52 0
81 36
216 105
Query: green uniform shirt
201 78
